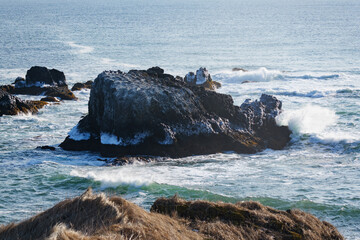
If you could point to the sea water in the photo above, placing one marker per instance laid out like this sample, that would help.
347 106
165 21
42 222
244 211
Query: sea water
306 53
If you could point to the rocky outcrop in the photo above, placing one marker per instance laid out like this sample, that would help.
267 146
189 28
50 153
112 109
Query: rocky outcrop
41 81
202 78
151 113
39 76
11 105
79 86
92 216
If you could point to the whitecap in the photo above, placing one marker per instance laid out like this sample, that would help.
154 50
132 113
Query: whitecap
113 63
80 49
113 177
259 75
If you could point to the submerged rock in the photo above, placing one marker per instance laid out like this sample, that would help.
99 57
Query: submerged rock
11 105
79 86
142 113
92 216
46 148
41 81
237 69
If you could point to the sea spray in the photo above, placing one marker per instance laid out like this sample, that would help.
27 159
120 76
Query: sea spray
310 119
113 177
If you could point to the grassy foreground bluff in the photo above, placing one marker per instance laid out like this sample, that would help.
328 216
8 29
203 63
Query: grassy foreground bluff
97 217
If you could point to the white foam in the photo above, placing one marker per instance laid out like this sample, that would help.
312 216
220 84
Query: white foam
337 136
80 49
110 139
114 177
113 63
311 94
74 134
259 75
310 119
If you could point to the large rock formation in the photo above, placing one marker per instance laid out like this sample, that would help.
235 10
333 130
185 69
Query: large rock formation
92 216
11 105
41 81
151 113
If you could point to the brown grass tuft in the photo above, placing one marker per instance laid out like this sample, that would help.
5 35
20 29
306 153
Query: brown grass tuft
246 220
96 217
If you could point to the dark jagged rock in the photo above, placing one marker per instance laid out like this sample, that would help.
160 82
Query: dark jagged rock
41 81
202 78
38 76
11 105
135 113
79 86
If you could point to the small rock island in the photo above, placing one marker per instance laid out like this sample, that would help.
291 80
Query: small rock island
148 112
41 81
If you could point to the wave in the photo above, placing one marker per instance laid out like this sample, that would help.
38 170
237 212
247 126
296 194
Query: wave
259 75
80 49
311 94
308 76
318 124
112 178
113 63
310 119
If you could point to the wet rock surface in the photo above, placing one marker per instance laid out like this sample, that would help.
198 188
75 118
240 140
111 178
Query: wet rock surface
147 112
11 105
202 78
79 86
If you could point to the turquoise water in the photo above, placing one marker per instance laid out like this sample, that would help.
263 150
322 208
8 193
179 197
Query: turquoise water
304 52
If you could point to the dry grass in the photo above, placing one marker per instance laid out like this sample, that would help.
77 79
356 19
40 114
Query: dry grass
246 220
96 217
90 217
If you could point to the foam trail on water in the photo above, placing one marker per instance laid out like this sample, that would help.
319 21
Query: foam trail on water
310 119
80 49
309 76
114 63
114 177
259 75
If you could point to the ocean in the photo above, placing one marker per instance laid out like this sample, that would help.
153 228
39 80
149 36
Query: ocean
306 53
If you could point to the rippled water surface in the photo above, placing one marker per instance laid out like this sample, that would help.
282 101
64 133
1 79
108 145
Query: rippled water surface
306 53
